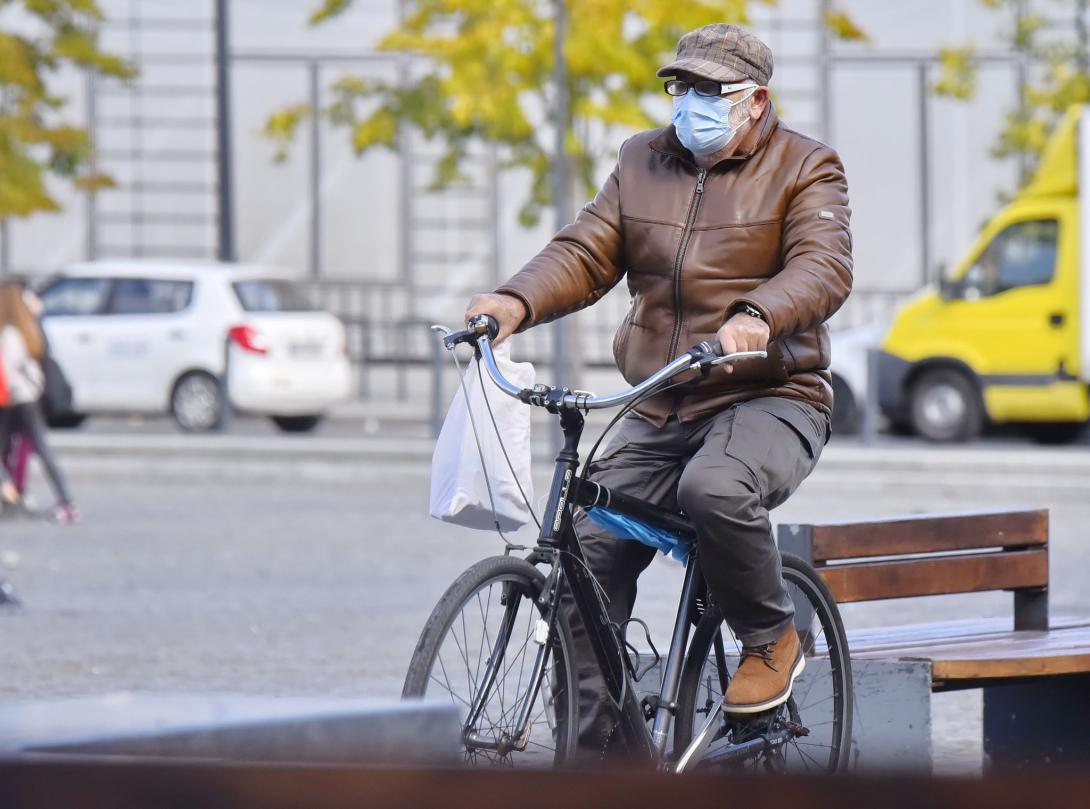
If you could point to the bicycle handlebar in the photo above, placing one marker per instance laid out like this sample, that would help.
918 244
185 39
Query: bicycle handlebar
483 329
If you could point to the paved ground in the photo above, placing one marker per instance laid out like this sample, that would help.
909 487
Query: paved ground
298 573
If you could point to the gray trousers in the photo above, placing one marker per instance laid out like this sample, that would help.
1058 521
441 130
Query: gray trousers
725 472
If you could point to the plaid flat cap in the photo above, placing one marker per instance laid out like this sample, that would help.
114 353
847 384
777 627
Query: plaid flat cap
722 52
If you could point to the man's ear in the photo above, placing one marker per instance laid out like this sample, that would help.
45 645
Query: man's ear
760 101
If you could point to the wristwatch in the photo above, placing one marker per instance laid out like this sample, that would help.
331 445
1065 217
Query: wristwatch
746 309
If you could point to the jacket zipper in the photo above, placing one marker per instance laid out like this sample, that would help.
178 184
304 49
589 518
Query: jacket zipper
686 234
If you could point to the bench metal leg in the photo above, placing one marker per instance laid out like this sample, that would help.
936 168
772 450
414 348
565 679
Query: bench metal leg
1042 722
1031 610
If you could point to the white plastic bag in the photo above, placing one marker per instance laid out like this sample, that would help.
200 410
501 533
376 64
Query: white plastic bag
459 490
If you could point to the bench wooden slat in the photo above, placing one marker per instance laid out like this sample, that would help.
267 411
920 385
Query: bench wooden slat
928 534
873 581
925 645
891 638
1043 665
995 656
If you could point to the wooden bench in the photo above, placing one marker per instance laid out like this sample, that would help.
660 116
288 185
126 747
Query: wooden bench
1035 672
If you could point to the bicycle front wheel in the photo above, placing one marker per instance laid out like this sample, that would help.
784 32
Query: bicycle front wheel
487 648
814 727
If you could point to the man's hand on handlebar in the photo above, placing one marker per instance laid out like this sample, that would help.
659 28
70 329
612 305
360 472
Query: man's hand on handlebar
742 333
508 311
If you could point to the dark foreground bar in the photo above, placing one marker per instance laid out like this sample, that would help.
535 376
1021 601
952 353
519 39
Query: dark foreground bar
29 784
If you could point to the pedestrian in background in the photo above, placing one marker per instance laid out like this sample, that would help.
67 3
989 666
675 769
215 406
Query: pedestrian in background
22 347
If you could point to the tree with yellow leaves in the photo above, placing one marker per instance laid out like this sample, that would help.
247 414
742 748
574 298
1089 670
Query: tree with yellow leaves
34 141
1058 60
489 66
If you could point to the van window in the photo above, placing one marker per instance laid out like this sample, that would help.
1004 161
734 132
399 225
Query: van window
271 295
75 296
1022 254
147 296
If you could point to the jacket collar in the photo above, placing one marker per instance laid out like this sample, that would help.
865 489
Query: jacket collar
751 142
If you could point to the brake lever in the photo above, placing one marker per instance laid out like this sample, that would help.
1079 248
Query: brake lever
741 355
709 360
453 338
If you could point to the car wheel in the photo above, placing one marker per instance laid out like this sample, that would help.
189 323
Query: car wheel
846 416
296 424
65 421
945 406
197 402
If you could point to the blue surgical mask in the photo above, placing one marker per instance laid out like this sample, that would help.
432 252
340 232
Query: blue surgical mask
703 122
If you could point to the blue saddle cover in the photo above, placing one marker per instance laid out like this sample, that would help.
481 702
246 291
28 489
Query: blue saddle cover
625 527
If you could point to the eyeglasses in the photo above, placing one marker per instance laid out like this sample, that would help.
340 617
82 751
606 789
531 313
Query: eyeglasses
704 87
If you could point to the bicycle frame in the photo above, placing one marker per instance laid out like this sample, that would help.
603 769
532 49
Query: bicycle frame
558 537
558 543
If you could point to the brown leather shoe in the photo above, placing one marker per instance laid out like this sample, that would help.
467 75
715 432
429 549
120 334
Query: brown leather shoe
765 675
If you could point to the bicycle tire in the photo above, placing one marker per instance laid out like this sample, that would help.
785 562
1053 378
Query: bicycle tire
805 579
528 581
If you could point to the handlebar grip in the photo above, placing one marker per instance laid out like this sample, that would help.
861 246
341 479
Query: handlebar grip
713 347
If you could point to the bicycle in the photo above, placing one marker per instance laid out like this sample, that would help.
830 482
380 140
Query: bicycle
518 696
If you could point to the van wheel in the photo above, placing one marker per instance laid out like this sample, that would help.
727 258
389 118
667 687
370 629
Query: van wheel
846 415
945 406
197 402
296 424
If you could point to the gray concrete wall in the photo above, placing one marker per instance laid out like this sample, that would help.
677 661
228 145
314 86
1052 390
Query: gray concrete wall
874 124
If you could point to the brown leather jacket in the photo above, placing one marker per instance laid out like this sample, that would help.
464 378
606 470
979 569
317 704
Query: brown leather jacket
767 226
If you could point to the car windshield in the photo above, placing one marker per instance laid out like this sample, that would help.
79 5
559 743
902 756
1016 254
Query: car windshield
271 295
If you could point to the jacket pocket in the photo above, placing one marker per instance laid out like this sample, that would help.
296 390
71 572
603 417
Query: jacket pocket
809 424
808 351
777 447
620 339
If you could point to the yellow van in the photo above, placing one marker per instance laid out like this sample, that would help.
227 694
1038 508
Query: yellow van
1006 337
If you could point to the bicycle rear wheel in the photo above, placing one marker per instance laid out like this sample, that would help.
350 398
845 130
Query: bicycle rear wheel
482 649
813 729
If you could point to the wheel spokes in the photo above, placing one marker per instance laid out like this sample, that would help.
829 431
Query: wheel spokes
496 656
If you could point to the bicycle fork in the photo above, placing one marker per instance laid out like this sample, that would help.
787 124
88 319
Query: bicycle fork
543 634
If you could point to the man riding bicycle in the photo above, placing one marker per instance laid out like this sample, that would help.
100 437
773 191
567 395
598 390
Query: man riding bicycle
729 226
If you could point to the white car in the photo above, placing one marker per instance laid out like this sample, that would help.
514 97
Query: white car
162 336
849 371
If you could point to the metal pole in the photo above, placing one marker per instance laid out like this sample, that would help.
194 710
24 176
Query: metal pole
91 247
5 246
925 175
406 243
562 336
405 182
1082 56
870 406
826 69
494 216
314 72
226 246
437 360
1021 76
